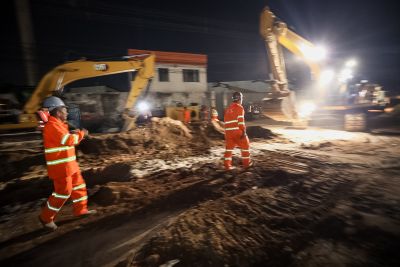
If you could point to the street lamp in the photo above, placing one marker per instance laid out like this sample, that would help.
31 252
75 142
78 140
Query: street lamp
351 63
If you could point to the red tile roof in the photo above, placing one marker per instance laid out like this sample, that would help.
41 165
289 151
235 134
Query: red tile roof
173 57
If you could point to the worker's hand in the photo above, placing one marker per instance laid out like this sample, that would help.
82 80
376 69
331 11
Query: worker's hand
86 132
244 134
74 131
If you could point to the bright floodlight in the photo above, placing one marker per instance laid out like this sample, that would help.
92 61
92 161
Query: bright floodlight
143 106
326 77
313 53
351 63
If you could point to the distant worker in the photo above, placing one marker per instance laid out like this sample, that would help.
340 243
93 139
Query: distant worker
186 115
214 114
62 166
235 132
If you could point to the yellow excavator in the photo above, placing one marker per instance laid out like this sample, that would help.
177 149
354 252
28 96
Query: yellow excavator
281 105
55 80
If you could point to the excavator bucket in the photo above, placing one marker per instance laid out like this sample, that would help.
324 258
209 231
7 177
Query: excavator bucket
280 108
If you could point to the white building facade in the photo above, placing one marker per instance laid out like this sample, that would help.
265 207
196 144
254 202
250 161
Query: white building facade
180 79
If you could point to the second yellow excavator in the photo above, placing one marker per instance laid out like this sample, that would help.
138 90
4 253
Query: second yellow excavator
280 103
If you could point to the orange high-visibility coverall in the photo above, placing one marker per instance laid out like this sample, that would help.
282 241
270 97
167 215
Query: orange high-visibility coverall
186 116
234 135
63 169
214 115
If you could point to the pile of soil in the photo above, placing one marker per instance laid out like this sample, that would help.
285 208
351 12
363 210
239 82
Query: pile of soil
260 132
161 134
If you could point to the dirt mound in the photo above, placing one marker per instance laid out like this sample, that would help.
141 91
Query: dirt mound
259 132
163 133
168 125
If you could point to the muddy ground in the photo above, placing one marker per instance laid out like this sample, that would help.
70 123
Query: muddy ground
313 198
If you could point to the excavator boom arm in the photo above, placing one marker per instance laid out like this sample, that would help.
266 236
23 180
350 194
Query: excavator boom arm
275 32
64 74
143 76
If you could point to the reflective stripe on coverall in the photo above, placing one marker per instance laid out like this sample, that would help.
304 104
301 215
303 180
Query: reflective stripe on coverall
234 129
63 169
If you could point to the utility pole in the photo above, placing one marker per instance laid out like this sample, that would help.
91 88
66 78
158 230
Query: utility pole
27 40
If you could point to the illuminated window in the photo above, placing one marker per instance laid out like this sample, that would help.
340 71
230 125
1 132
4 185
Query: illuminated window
191 75
163 74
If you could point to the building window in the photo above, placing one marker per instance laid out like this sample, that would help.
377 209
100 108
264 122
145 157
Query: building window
163 74
191 75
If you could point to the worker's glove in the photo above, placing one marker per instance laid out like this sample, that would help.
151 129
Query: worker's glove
86 132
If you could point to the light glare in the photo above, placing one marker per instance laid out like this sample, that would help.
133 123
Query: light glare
143 106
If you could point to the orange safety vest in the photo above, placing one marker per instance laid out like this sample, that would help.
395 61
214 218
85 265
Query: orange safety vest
234 119
59 148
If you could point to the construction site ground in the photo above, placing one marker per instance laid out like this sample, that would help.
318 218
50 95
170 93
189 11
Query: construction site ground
313 198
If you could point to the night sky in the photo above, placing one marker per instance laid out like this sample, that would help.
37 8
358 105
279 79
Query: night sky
227 31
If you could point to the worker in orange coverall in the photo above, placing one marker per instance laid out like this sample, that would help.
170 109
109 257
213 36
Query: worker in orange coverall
186 115
62 167
235 132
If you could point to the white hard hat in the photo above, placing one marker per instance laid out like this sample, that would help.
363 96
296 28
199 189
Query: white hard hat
53 102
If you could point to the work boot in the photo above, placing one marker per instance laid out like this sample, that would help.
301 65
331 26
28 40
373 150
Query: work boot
88 213
91 212
231 168
49 226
